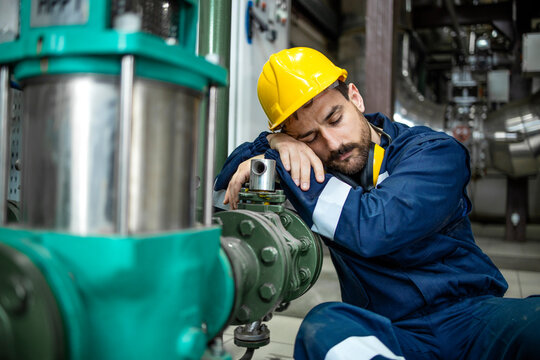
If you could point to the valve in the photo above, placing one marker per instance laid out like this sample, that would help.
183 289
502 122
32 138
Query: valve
274 255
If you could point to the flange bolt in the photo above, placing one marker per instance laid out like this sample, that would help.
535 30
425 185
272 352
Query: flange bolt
14 299
267 291
246 227
243 313
269 254
305 275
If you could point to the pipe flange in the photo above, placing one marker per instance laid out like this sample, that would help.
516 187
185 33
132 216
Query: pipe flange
260 259
28 309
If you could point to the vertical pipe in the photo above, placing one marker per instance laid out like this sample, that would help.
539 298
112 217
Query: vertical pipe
124 142
4 140
210 150
459 41
381 34
215 38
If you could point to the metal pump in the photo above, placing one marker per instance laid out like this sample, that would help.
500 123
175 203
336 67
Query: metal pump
107 259
274 255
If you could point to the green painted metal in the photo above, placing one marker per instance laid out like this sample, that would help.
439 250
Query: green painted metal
260 284
215 38
30 323
75 321
43 47
159 296
276 258
111 66
262 201
309 248
309 257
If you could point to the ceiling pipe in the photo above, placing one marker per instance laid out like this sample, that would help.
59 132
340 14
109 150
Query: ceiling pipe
459 41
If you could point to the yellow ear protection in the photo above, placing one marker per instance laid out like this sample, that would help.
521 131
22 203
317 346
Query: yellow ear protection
370 173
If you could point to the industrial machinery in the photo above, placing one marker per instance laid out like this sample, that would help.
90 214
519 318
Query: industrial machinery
102 256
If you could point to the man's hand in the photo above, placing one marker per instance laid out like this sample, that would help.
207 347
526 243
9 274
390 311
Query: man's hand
240 177
297 158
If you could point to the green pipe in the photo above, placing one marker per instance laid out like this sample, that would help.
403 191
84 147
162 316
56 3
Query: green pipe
215 38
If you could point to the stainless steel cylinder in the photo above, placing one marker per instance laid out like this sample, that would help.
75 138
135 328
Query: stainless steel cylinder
70 155
262 175
513 134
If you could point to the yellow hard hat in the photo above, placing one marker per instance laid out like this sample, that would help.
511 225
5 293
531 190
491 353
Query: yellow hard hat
292 77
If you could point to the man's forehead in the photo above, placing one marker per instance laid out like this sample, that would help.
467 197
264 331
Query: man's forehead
320 105
326 96
313 113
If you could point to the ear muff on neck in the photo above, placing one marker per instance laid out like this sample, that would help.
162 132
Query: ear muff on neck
370 173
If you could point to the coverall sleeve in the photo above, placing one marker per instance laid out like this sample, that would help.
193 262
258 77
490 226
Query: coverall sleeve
424 192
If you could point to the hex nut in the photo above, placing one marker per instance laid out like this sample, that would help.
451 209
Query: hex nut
305 275
285 219
305 244
267 291
269 254
243 313
15 298
246 227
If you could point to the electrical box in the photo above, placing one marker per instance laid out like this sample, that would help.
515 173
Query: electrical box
258 29
531 53
498 86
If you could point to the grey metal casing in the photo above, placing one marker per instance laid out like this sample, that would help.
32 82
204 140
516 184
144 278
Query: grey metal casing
531 53
519 157
498 83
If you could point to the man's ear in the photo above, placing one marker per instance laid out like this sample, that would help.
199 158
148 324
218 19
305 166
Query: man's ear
356 98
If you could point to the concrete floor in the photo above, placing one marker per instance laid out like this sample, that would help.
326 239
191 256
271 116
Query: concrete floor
519 263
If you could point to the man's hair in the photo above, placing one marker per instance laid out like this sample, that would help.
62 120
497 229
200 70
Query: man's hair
341 87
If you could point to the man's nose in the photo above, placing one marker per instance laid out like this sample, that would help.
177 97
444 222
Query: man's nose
333 142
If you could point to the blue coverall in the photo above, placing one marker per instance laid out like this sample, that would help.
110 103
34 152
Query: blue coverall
413 282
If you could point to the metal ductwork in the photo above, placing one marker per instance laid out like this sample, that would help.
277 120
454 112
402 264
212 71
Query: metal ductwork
513 134
412 108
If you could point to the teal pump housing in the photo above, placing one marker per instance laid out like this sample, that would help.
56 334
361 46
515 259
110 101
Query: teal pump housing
78 36
93 287
163 296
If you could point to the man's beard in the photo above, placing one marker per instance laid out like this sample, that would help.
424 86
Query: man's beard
354 163
358 159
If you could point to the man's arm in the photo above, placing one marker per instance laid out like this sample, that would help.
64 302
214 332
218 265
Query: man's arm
242 153
424 193
233 174
297 158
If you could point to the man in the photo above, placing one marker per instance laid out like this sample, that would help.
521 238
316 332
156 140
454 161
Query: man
414 284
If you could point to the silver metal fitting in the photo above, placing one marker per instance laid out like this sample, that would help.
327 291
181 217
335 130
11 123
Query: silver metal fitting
262 176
